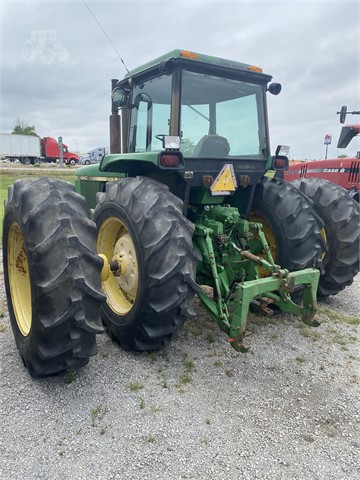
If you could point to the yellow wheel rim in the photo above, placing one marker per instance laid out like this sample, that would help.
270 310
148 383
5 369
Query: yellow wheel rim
115 242
323 234
270 238
19 279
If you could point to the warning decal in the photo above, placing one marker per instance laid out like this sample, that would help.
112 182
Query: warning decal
225 182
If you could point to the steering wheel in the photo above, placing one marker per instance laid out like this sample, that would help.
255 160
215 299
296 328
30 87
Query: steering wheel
160 136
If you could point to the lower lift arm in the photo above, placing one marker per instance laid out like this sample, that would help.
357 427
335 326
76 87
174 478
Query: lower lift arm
232 300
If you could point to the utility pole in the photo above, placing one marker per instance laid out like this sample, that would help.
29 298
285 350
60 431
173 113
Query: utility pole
61 161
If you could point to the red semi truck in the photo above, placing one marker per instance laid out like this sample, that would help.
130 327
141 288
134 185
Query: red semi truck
50 151
29 149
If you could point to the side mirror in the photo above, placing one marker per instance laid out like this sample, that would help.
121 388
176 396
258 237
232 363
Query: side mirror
120 97
280 160
343 113
142 97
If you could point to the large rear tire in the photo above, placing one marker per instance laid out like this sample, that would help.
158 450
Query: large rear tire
341 217
52 275
141 225
292 227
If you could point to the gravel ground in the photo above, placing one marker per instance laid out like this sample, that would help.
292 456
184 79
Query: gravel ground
288 409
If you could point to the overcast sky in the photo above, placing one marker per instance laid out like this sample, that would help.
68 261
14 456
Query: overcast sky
311 47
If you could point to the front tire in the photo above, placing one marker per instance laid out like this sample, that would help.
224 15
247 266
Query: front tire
52 275
141 225
341 217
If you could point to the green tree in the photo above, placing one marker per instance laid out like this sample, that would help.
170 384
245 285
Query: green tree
187 147
342 156
23 127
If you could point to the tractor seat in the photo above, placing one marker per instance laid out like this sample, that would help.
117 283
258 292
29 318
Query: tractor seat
212 146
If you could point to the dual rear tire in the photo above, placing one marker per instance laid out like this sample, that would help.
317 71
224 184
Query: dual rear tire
341 216
311 223
52 270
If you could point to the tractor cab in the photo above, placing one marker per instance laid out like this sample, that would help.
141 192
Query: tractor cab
215 107
187 120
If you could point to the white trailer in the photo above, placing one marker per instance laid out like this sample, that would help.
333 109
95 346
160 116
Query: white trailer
25 148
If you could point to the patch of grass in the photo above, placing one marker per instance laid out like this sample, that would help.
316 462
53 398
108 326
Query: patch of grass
204 441
208 421
189 366
263 320
337 317
134 387
229 373
180 389
300 359
213 353
210 337
218 363
193 329
70 377
185 378
141 403
309 332
156 408
2 313
95 412
151 439
340 339
3 328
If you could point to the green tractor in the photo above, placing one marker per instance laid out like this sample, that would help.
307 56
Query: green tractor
185 199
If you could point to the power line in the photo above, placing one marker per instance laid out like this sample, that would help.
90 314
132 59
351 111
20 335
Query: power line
106 35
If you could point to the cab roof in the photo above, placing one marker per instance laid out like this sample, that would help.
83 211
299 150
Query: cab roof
193 60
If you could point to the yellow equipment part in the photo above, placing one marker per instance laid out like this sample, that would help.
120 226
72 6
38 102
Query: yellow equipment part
19 279
120 287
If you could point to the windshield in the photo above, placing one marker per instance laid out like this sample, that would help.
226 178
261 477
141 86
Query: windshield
221 117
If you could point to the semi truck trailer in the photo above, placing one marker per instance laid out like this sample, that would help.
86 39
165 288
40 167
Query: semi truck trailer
30 149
